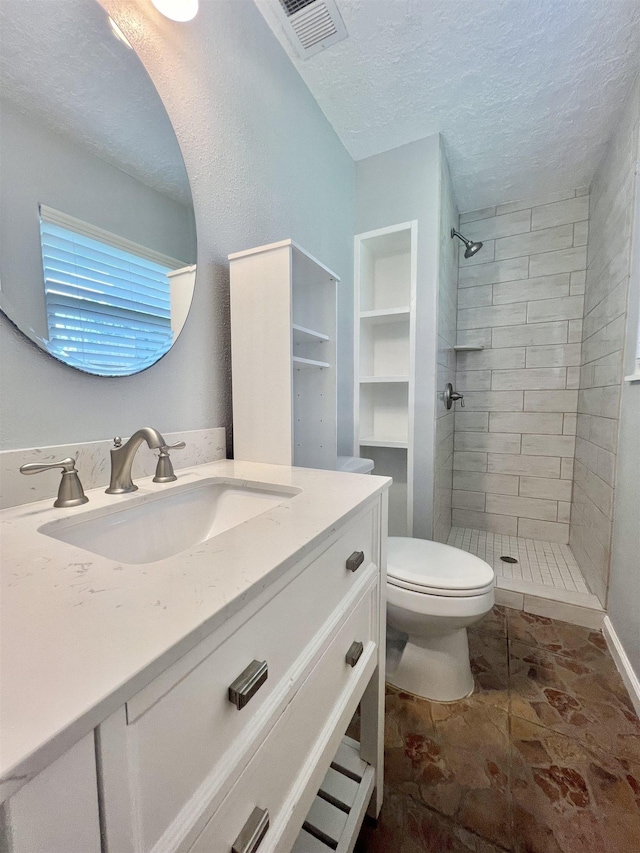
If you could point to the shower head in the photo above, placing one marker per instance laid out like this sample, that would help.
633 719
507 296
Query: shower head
471 248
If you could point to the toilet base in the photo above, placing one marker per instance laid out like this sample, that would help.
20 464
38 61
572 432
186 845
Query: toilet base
435 668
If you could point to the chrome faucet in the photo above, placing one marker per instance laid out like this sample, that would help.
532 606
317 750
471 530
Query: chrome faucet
122 456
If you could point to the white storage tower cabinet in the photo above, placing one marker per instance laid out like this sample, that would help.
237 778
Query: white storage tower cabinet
283 351
385 316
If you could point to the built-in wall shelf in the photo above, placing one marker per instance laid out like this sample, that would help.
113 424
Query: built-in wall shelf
467 349
386 315
304 363
304 336
372 441
386 272
383 379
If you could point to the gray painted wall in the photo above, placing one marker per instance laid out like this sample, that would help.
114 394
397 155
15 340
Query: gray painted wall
624 581
394 187
264 165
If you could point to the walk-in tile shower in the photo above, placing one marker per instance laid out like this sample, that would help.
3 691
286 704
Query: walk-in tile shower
540 334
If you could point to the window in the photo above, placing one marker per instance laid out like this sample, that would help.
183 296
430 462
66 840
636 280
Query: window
108 300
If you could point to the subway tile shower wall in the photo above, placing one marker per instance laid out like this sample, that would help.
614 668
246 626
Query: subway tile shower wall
607 286
522 299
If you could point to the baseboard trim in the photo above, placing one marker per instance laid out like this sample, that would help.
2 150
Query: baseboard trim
631 680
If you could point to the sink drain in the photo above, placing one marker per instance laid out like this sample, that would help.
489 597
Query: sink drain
508 559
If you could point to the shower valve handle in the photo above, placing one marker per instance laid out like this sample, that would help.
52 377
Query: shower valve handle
450 396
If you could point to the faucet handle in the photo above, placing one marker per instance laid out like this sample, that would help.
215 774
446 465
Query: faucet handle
450 396
70 492
179 445
68 464
164 468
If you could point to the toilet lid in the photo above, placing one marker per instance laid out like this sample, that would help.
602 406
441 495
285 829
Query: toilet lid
432 567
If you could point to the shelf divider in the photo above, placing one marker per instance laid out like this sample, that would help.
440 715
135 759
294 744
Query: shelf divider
304 363
374 441
386 314
368 380
308 334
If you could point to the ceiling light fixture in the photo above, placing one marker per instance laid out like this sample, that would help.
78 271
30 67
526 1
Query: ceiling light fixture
177 10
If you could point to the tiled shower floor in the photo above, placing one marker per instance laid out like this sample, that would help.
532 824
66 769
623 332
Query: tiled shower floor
543 563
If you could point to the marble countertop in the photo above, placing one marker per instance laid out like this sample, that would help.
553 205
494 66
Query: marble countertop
80 633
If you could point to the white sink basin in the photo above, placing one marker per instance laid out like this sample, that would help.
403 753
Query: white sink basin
155 527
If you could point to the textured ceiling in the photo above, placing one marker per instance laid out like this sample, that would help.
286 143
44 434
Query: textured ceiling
524 92
61 65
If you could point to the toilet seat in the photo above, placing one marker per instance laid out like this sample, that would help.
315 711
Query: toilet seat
432 568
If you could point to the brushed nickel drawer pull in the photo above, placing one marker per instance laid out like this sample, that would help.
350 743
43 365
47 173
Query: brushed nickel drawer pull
252 832
248 683
355 561
353 655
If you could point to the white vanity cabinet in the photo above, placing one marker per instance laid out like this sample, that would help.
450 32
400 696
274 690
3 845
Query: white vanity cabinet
202 699
184 769
57 810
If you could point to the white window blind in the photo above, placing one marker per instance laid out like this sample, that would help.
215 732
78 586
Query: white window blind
107 300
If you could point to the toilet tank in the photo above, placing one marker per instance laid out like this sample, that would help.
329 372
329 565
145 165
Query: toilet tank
354 465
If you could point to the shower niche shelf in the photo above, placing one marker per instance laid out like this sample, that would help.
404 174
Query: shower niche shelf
468 348
385 294
283 333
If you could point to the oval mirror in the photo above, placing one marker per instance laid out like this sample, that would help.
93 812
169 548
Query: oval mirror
97 232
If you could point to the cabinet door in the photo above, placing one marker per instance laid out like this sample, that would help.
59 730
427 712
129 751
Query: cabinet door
57 812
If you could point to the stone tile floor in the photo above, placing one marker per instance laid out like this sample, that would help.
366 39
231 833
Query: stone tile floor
544 757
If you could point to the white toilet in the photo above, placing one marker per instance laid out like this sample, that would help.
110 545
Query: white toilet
434 593
354 465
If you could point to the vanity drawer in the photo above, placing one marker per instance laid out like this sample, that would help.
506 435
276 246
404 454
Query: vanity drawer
281 777
187 742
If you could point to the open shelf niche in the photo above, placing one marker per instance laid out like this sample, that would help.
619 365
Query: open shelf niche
283 350
339 808
385 299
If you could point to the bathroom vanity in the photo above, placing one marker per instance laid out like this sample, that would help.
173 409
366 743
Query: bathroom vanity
197 701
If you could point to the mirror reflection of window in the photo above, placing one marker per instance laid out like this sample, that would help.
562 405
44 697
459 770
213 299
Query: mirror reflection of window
108 300
117 166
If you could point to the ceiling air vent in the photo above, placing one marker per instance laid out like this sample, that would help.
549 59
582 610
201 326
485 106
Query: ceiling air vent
312 25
